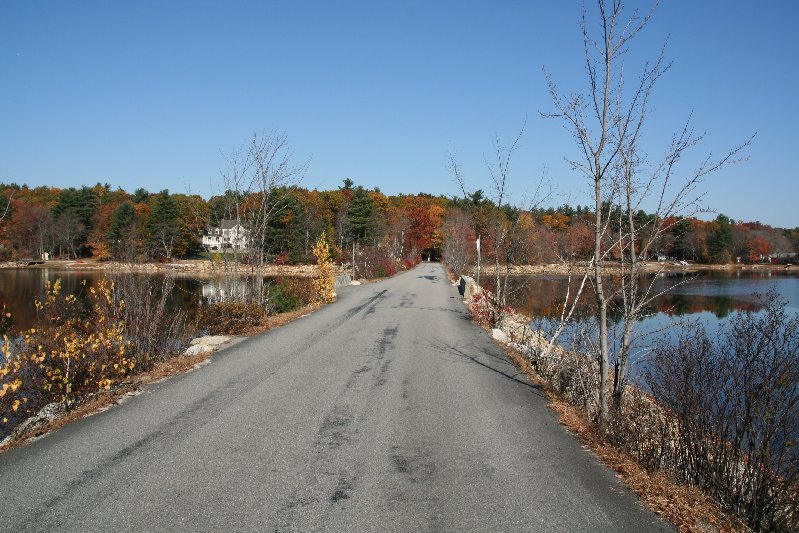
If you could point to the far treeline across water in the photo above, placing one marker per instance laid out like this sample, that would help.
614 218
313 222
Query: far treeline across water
280 224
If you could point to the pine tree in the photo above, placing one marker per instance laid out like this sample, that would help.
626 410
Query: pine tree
721 245
359 214
121 225
162 225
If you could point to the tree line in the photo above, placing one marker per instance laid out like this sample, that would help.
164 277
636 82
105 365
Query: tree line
106 224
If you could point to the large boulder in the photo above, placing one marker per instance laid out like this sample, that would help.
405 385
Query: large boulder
343 280
468 287
207 344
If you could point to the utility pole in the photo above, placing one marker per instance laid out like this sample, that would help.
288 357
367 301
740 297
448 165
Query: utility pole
478 260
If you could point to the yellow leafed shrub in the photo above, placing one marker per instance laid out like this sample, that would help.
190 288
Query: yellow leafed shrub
325 284
78 350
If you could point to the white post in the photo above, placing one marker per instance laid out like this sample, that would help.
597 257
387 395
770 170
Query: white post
478 261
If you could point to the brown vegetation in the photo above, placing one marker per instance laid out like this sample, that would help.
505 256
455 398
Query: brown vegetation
685 506
716 435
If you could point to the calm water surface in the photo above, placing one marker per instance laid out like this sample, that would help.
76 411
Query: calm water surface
710 297
19 289
715 292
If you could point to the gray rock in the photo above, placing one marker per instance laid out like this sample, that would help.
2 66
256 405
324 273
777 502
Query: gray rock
343 280
500 335
206 344
47 414
468 287
210 340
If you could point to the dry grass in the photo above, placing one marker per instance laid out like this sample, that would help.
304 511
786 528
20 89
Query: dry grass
688 508
281 319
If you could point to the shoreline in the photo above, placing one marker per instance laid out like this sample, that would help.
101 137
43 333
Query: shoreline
205 267
193 266
613 268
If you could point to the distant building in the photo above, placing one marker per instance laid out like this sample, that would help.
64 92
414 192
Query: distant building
780 258
229 235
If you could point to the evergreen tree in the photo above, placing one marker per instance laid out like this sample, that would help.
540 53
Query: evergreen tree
682 232
75 215
140 195
82 203
722 243
283 233
477 198
162 226
359 214
225 206
121 225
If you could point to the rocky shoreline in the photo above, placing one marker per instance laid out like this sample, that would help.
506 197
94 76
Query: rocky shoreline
561 269
201 266
196 266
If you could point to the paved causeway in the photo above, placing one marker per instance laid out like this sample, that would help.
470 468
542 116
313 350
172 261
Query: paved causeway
386 411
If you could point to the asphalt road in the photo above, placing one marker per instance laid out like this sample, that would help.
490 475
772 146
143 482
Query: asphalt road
386 411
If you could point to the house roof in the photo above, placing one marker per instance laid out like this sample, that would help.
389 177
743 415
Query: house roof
228 223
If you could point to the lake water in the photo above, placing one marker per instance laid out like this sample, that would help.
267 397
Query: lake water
19 289
710 297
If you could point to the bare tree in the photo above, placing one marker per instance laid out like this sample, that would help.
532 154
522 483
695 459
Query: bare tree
458 226
607 122
256 175
505 231
639 235
71 232
596 119
6 208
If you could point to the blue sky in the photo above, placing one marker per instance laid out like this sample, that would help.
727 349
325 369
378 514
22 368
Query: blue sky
151 94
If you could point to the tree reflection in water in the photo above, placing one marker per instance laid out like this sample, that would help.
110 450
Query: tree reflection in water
710 297
20 288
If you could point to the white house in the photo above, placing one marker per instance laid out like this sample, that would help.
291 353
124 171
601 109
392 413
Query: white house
230 234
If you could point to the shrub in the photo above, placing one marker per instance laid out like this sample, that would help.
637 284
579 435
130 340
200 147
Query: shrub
230 317
80 348
290 293
733 413
408 264
325 284
154 330
386 268
280 302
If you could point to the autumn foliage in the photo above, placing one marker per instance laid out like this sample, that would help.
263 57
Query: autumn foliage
324 283
82 349
385 231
